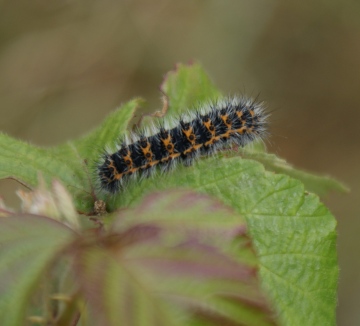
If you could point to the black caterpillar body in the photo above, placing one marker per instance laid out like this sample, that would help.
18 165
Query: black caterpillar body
201 132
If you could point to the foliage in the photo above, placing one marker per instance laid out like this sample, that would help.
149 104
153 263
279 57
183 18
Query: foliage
243 242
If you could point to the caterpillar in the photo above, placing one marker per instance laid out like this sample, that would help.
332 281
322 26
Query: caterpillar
201 132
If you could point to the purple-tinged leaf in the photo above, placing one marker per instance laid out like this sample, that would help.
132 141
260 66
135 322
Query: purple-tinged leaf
28 245
161 265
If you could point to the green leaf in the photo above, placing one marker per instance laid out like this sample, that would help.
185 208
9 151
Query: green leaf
184 88
28 245
108 132
72 163
164 266
293 233
188 86
23 162
313 183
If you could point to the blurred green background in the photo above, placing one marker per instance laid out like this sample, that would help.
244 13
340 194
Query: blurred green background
64 65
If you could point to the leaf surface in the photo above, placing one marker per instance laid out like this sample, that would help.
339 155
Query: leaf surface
72 163
320 185
28 245
165 266
293 233
188 86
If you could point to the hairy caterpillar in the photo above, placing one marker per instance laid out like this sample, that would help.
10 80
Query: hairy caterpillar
236 120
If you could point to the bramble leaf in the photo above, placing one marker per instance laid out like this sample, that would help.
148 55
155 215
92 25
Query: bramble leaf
71 163
184 88
188 86
28 245
164 266
320 185
293 233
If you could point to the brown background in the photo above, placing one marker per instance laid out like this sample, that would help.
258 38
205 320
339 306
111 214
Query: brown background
65 64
